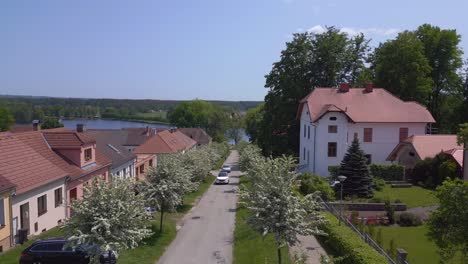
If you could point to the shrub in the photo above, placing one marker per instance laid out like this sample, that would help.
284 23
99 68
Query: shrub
433 171
392 172
347 244
378 183
312 183
390 212
398 201
334 171
409 219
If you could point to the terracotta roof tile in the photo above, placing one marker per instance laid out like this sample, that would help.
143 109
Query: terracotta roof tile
22 166
65 140
457 155
378 106
166 142
197 134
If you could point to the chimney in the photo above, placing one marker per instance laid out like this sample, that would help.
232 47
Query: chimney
36 125
368 87
80 128
344 88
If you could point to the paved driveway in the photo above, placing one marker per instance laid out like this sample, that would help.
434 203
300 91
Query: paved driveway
207 232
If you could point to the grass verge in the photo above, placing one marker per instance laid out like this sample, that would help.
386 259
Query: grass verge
414 240
413 197
249 245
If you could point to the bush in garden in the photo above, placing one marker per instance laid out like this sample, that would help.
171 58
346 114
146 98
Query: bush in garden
378 184
409 219
390 212
387 172
312 183
433 171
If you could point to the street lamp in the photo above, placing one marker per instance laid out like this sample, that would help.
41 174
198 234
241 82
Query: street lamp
341 178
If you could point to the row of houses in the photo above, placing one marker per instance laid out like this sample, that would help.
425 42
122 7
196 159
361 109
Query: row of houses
389 129
42 171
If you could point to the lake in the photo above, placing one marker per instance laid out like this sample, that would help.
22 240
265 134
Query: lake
107 124
118 124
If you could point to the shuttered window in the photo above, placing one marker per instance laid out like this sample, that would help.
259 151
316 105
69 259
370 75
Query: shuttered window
42 205
403 133
367 134
331 149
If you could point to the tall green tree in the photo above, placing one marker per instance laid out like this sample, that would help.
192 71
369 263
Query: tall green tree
444 55
402 68
51 122
309 61
198 113
253 121
448 224
354 166
6 119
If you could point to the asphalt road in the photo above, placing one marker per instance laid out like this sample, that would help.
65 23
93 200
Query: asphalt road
207 232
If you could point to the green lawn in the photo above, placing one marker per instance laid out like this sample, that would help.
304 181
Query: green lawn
154 246
415 242
250 246
413 197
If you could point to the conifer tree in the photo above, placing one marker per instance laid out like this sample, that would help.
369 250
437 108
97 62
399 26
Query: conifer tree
354 166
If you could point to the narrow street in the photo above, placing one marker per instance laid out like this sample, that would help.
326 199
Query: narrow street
207 232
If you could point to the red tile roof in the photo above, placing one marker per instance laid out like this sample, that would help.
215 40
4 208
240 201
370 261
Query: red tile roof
378 106
29 128
36 141
428 146
197 134
66 140
5 184
166 142
23 166
457 155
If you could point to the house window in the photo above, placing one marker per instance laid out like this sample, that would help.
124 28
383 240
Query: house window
304 130
142 168
117 173
2 213
367 134
333 118
125 172
42 205
403 133
412 154
369 158
303 156
58 197
73 194
151 162
88 153
308 132
36 227
331 149
332 129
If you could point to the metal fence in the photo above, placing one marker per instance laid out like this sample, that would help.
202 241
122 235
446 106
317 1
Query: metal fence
365 237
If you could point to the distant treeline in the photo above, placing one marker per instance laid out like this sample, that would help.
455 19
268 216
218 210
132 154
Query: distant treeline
27 108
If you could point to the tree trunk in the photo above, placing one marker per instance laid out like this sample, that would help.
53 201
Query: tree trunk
161 222
279 255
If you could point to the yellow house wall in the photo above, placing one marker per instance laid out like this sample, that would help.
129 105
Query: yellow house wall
5 232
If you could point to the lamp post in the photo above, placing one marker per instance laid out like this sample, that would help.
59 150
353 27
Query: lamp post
341 178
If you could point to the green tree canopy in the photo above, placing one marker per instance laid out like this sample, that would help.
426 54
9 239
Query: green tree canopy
448 225
309 61
354 166
253 121
402 68
6 119
198 113
51 122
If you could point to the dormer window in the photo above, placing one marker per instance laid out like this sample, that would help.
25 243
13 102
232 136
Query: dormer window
332 118
88 153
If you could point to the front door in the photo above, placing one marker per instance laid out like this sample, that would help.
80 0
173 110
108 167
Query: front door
24 216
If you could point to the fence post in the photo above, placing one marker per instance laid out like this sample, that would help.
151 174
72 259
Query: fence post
401 256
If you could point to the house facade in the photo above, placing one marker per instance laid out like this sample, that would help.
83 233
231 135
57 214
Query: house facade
330 118
6 190
38 201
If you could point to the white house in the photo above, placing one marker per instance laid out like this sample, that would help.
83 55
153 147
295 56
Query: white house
331 117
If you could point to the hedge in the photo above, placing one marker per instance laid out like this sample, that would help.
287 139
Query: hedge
392 172
347 245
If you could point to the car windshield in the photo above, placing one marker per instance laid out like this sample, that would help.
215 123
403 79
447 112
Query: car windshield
226 166
222 174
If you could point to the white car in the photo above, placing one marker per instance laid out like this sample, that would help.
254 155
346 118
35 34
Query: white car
223 178
226 168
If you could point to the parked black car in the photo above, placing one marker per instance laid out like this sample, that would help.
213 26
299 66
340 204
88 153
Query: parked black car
55 251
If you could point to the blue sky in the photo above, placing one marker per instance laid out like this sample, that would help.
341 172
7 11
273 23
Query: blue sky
208 49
